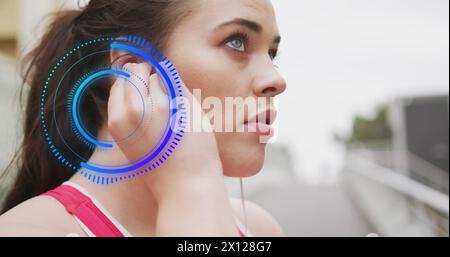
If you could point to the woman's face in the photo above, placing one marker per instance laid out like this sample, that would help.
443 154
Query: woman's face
226 48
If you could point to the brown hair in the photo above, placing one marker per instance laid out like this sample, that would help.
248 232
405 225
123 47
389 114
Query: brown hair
38 170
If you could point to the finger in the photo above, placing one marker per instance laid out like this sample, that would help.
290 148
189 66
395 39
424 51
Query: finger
157 89
132 96
140 74
115 111
122 117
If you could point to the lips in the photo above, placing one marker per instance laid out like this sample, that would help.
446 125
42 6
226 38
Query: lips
261 122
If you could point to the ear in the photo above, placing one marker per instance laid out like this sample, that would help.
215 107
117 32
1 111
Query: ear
119 57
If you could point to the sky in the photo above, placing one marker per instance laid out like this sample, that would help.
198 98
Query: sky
345 58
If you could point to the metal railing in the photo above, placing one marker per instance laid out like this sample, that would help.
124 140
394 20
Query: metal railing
394 203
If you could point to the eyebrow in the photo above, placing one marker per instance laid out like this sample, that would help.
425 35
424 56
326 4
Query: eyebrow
252 25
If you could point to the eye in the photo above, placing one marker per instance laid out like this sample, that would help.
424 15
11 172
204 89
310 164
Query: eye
237 42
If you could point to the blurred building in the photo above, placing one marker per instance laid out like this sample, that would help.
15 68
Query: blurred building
400 180
22 22
8 27
421 133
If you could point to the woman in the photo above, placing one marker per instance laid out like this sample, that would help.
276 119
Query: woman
226 49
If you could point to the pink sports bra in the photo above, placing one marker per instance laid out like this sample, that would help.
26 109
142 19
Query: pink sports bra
91 218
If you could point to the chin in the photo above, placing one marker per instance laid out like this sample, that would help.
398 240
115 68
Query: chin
242 160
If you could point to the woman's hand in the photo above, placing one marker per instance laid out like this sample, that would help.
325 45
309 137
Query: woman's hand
189 187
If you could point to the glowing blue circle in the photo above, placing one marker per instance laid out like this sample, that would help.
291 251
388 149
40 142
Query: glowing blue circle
75 108
172 120
168 142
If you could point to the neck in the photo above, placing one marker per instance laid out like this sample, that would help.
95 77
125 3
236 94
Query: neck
130 202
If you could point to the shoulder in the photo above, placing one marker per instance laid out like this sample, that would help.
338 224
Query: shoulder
260 222
39 216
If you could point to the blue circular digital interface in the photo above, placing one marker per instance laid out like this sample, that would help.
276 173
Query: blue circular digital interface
72 155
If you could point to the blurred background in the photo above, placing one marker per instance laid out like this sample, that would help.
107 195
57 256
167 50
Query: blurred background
362 144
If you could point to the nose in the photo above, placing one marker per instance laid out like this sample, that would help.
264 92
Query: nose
269 83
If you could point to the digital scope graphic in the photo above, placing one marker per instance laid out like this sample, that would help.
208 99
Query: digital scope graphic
72 150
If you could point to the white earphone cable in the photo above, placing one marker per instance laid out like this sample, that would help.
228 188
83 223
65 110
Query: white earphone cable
241 180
